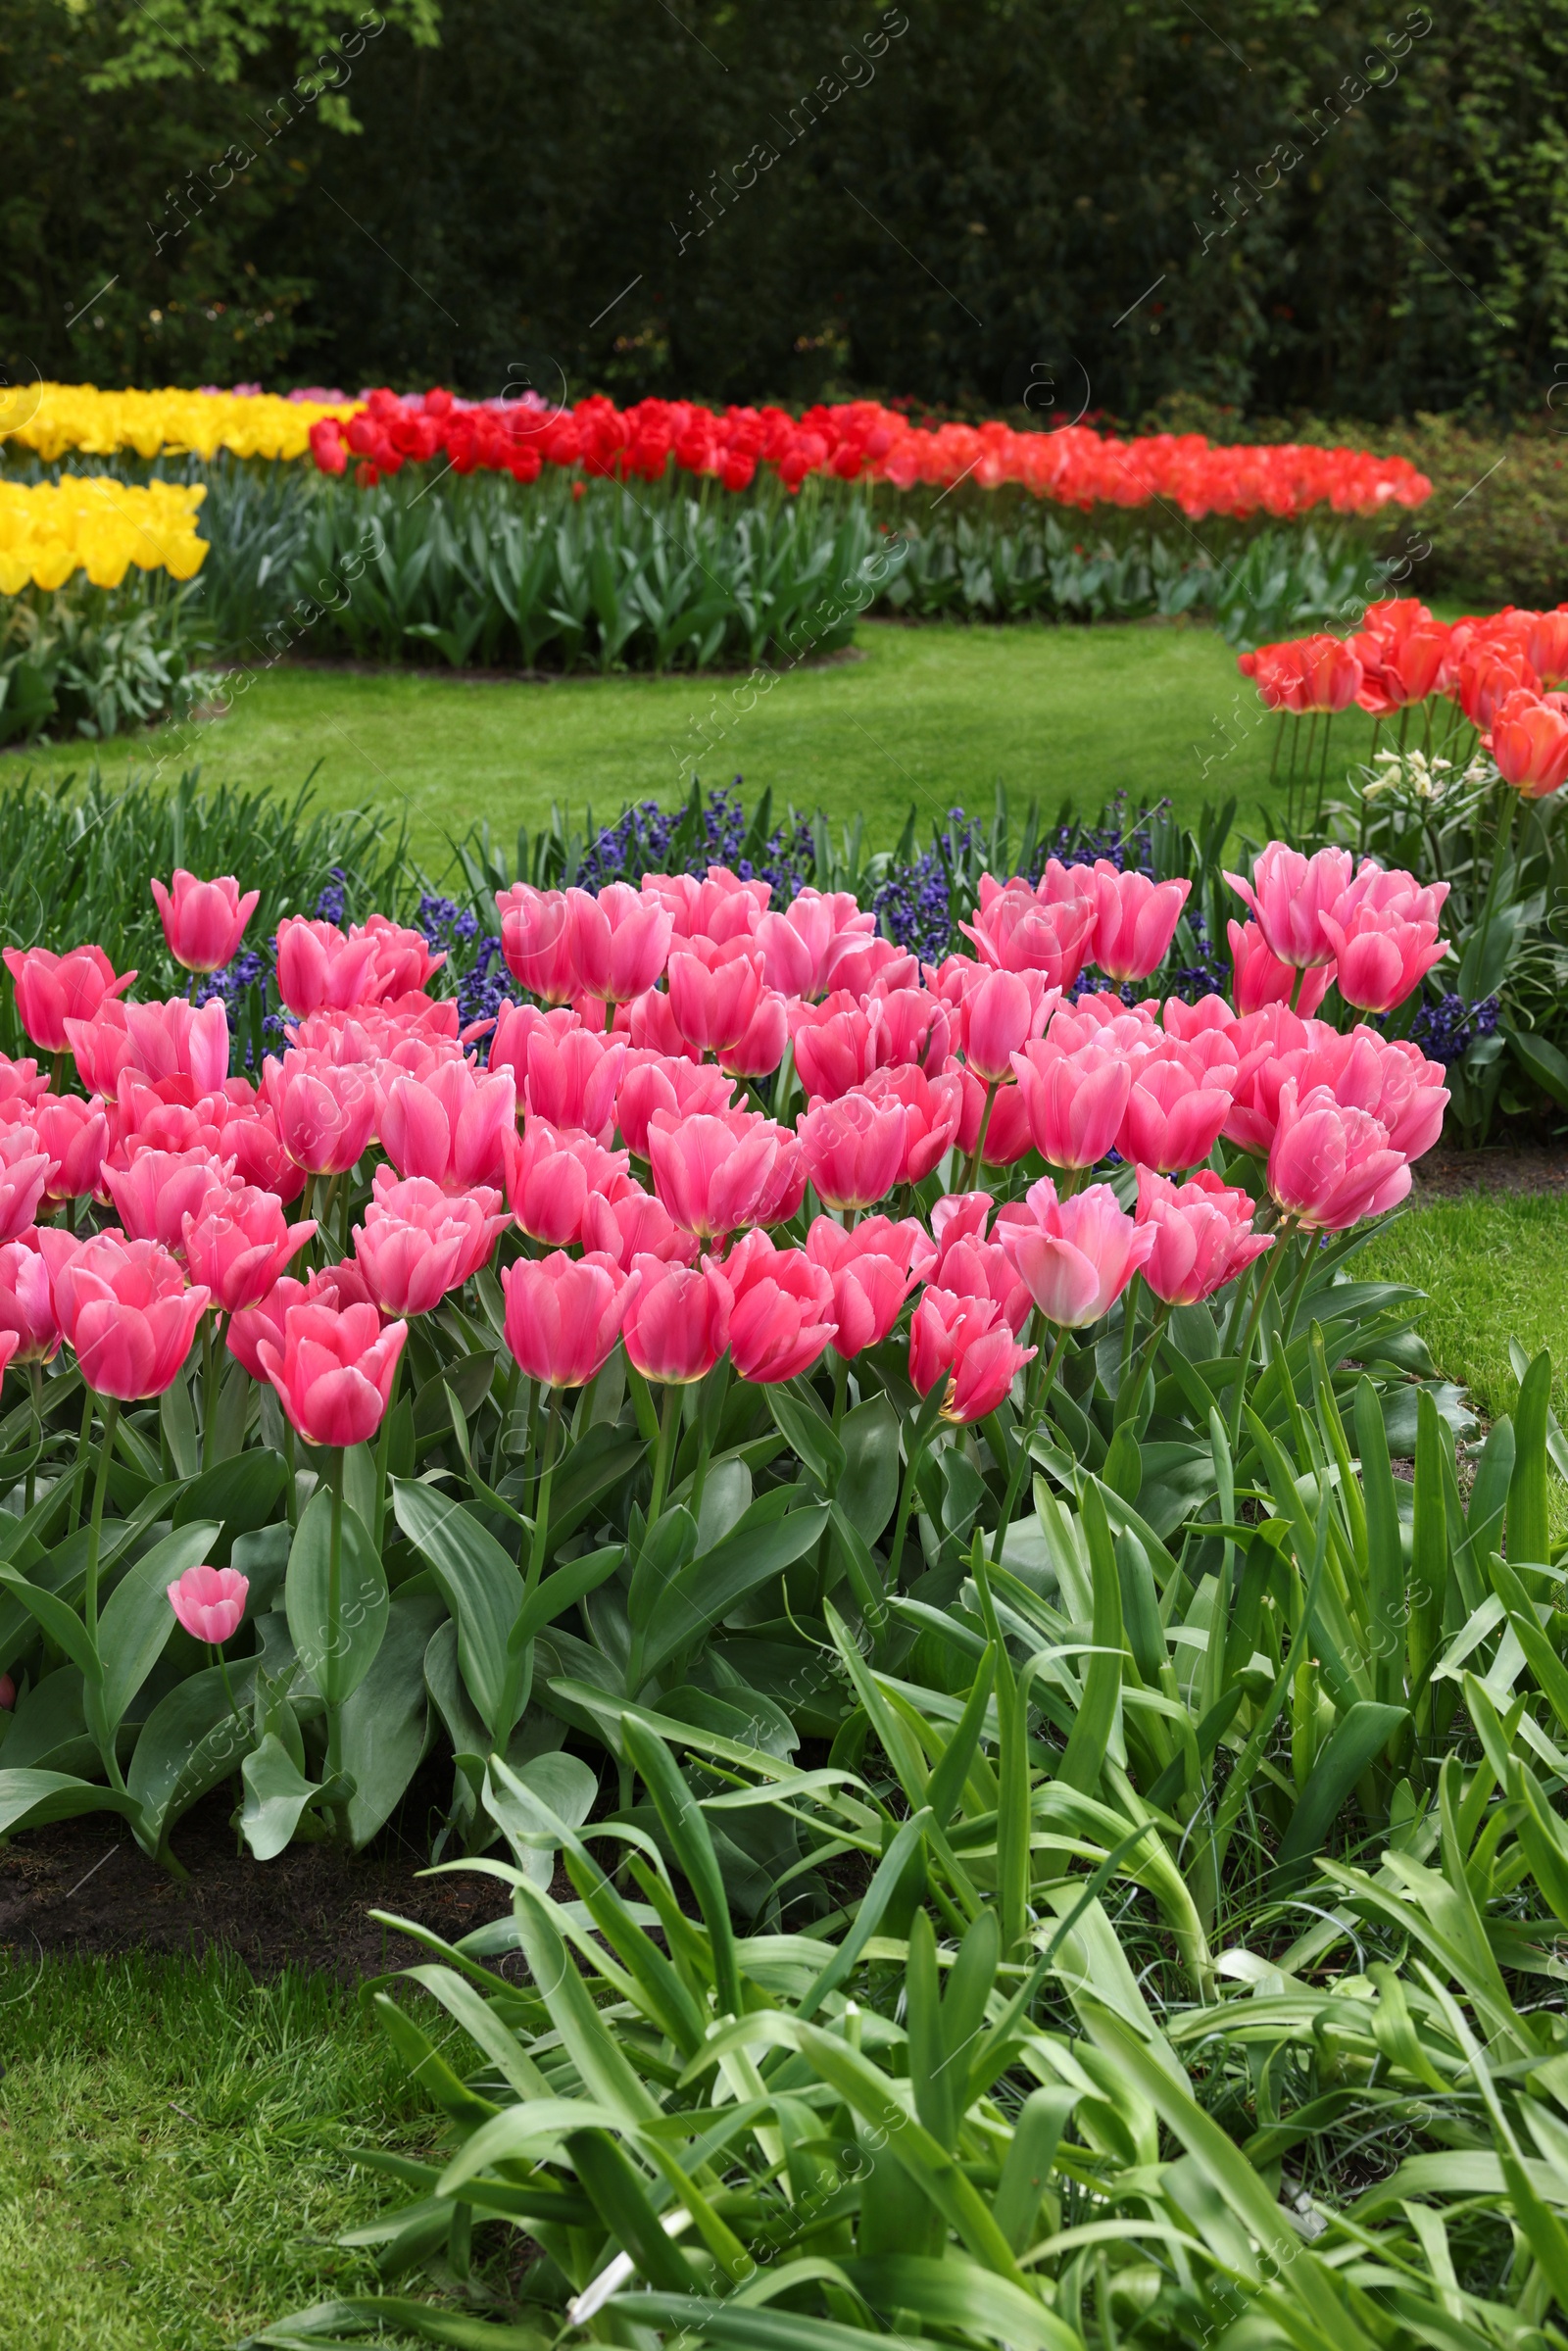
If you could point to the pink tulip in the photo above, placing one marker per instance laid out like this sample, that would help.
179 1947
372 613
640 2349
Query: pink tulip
651 1082
1077 1255
635 1224
76 1135
266 1320
1210 1017
1203 1234
836 1045
1008 1135
1099 1018
537 941
933 1111
22 1083
650 1024
335 1371
677 1325
723 906
123 1307
1379 960
204 922
998 1016
1175 1111
452 1127
160 1190
619 941
854 1150
910 1025
402 962
801 947
27 1302
714 1175
963 1340
1076 1102
782 1316
325 1115
157 1041
873 1270
210 1601
1135 921
1288 895
564 1314
418 1242
1260 978
968 1265
1330 1166
319 968
760 1049
549 1177
713 993
260 1158
572 1078
54 988
1047 928
23 1173
238 1245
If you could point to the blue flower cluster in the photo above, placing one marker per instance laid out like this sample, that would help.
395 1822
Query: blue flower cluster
474 957
1445 1030
648 836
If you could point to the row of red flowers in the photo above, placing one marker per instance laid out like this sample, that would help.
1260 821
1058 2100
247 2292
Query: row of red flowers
1506 671
655 1007
857 440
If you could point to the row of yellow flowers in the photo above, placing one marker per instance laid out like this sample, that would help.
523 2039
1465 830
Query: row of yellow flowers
48 530
52 420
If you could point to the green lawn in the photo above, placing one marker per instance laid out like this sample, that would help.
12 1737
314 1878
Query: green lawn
934 716
175 2150
1493 1269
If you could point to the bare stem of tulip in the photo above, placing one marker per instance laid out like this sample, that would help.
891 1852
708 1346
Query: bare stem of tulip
1031 1421
35 1385
980 1139
541 1523
1250 1335
383 1453
668 1423
79 1482
90 1602
221 1663
335 1625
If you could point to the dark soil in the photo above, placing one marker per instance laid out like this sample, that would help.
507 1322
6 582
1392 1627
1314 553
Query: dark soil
84 1886
1450 1173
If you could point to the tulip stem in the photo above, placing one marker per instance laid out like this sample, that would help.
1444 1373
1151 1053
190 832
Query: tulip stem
89 1603
841 1387
208 1391
384 1451
919 1440
668 1423
292 1496
79 1482
1026 1431
1250 1335
35 1383
221 1664
334 1614
980 1137
541 1523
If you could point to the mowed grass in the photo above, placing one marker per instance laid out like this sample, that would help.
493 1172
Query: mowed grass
1493 1268
928 716
176 2150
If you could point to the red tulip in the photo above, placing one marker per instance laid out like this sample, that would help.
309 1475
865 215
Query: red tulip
160 1190
418 1242
873 1269
677 1325
1135 921
210 1602
564 1314
335 1371
1077 1255
204 922
27 1302
782 1316
854 1150
549 1177
1529 740
1203 1234
123 1307
1331 1166
54 988
452 1126
238 1245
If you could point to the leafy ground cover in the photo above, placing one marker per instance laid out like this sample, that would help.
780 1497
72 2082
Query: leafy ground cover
1494 1270
932 715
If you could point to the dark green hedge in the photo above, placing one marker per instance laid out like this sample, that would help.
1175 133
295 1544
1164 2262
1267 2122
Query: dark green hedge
1321 209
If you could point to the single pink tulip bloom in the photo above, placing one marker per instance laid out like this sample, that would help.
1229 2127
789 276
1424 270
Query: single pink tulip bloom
256 1140
836 1045
1331 1166
1076 1102
123 1308
1260 978
23 1173
402 962
157 1041
968 1265
210 1601
572 1079
653 1027
801 947
963 1342
910 1025
319 968
537 941
714 1175
22 1083
418 1242
715 992
719 907
873 1269
1203 1234
933 1113
564 1314
250 1325
1047 927
854 1150
27 1302
238 1245
782 1318
335 1371
1210 1017
760 1049
1077 1255
677 1325
76 1135
999 1016
1135 921
160 1190
325 1115
1173 1118
1008 1135
1379 960
619 941
633 1225
549 1176
651 1082
54 988
511 1040
204 922
1290 894
452 1126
